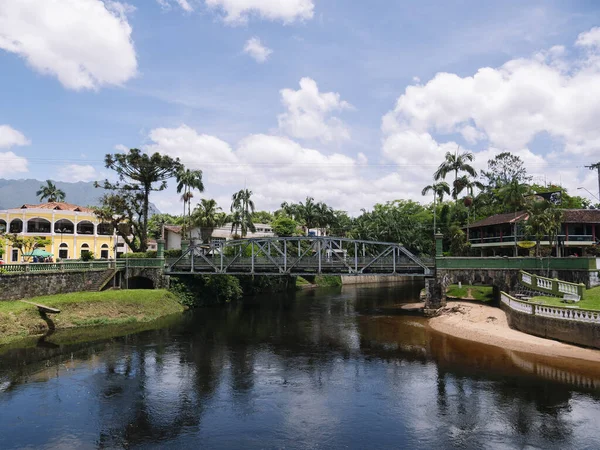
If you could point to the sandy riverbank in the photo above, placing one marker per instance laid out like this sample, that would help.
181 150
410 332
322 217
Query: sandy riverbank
488 325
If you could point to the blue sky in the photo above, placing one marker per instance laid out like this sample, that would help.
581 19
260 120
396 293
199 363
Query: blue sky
351 102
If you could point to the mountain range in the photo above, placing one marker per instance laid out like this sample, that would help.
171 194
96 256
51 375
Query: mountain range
15 193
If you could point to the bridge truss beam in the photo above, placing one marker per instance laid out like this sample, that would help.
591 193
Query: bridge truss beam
305 255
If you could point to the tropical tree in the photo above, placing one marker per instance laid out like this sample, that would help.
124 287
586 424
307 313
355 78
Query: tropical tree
188 181
138 175
284 226
513 194
544 220
50 192
242 208
207 216
438 189
157 222
455 162
505 168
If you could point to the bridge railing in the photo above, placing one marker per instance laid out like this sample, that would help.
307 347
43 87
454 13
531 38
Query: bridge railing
524 263
552 286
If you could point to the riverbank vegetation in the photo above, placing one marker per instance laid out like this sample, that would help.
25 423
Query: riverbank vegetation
590 300
84 309
471 292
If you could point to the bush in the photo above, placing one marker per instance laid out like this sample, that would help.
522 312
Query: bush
87 256
173 253
202 290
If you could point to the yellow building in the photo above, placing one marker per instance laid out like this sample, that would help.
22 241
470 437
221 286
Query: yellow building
72 229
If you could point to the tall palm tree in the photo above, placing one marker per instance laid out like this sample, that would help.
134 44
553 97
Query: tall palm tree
207 216
543 220
465 183
439 189
513 194
242 208
187 181
455 162
325 216
50 192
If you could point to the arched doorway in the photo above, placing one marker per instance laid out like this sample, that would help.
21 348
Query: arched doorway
64 226
2 226
104 251
85 251
63 251
104 229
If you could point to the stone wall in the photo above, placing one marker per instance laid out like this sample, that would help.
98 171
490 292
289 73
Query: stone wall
570 331
156 275
18 286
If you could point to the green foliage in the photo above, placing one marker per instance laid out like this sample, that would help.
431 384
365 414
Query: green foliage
207 216
173 253
138 174
328 280
157 221
188 181
87 256
312 215
202 290
481 293
262 217
285 226
458 242
50 192
26 244
242 209
505 168
544 220
590 300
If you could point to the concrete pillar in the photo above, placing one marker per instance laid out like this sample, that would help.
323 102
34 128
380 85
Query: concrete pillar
439 245
160 248
435 295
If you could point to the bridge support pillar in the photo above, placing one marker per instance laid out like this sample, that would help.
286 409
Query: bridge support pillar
435 296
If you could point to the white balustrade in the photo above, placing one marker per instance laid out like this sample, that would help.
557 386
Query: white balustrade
544 283
578 315
526 278
516 304
567 288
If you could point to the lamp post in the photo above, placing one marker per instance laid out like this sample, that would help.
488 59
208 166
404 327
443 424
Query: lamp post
593 195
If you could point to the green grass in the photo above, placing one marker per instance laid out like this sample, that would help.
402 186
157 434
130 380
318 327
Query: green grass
301 282
590 300
328 280
83 309
470 292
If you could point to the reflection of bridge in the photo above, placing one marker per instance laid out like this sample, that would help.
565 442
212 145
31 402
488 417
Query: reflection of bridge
304 255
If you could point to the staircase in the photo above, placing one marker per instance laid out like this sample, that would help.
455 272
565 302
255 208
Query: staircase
108 276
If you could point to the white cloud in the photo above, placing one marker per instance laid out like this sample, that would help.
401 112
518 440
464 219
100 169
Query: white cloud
238 11
86 44
183 4
76 172
257 50
121 148
10 137
11 164
308 112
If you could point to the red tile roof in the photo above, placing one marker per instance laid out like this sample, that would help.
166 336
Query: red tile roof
59 206
499 219
173 228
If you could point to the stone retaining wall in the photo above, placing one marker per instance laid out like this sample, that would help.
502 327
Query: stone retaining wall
530 319
18 286
375 279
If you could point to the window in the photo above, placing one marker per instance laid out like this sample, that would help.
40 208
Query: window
38 226
15 255
2 226
64 226
16 226
85 249
105 229
85 227
63 251
104 251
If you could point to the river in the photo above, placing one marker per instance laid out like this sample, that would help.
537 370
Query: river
331 368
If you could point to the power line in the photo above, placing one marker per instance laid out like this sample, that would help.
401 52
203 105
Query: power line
596 167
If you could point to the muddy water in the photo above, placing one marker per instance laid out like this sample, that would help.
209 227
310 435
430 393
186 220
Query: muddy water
318 369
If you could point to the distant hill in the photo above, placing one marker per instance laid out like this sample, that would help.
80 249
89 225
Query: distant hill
15 193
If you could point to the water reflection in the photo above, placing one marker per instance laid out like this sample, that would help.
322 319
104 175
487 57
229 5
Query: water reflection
320 368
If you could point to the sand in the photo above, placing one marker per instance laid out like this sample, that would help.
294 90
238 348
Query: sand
488 325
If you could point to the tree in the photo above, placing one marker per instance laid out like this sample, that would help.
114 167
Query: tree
544 219
284 226
138 174
459 246
50 192
262 217
512 194
342 224
455 162
207 216
438 189
124 212
505 168
27 244
187 181
157 222
242 208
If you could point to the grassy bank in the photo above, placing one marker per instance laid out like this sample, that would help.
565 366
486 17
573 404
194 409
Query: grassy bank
590 300
83 309
318 281
471 292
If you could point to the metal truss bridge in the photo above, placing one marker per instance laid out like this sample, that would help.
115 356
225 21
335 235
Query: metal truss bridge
299 256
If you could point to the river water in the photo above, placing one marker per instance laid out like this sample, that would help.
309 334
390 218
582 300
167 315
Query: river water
332 368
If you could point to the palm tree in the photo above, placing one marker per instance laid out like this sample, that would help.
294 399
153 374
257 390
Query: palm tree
188 180
439 189
543 220
465 183
455 162
513 194
50 192
207 216
325 216
242 208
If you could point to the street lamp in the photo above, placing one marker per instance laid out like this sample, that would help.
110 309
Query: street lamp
593 195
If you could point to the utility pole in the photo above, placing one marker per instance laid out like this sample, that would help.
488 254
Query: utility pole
596 167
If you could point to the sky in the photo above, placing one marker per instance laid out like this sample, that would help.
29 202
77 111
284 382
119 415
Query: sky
353 103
